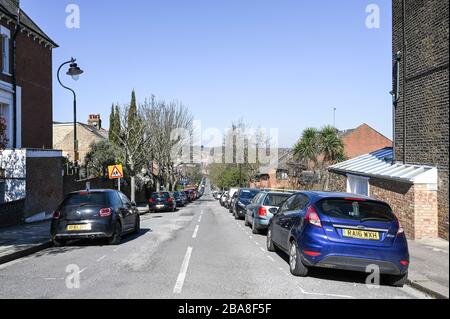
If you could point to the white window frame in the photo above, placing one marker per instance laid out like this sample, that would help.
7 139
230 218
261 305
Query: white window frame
5 38
6 99
354 188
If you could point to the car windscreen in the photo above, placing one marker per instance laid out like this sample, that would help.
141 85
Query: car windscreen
86 199
248 194
160 195
275 199
356 210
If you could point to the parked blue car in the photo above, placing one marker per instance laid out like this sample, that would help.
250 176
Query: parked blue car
263 207
340 231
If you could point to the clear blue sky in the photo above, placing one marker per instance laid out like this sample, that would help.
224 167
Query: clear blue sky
283 64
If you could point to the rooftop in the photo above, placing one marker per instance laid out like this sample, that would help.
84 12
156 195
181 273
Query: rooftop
380 164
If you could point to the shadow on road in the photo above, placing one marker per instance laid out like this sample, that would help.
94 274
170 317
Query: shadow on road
331 274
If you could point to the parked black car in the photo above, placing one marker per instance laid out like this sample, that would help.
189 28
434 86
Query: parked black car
162 201
94 214
180 199
243 198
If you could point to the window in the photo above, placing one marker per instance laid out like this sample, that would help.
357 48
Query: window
5 35
5 116
282 175
358 185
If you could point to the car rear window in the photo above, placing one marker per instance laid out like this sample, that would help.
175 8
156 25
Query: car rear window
86 199
160 195
275 199
248 194
356 210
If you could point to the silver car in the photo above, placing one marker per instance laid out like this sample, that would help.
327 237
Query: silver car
263 207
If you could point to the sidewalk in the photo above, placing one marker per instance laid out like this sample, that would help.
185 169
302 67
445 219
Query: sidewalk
23 240
429 270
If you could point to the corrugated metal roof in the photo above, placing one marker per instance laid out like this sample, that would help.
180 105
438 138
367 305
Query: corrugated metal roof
380 164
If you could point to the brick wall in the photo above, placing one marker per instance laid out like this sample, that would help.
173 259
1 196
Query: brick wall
12 213
364 140
426 217
427 91
44 185
337 182
400 196
34 75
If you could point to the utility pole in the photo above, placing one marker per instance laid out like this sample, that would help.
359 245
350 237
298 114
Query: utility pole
334 117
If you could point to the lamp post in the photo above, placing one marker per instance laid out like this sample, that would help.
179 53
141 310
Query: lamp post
75 72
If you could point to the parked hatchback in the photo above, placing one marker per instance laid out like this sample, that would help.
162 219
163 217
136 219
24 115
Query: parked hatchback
340 231
180 199
243 198
263 207
162 201
94 214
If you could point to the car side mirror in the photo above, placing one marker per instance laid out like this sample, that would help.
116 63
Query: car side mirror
274 210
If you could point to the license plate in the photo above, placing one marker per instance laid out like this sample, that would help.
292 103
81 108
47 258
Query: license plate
361 234
79 227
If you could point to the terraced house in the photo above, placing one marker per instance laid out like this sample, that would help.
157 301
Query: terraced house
26 107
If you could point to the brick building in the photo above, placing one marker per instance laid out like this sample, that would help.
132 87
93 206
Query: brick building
25 79
422 127
412 177
362 140
26 105
86 135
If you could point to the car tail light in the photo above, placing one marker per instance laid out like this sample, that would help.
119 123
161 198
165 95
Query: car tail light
312 217
400 230
262 212
311 253
105 212
56 215
151 200
170 200
404 262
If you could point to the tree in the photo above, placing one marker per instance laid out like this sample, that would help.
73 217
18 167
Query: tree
133 112
112 128
320 149
3 139
101 155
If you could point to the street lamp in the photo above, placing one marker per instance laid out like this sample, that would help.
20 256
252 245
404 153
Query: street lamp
75 72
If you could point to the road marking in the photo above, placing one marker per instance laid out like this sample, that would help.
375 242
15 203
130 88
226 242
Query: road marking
195 231
101 258
200 219
82 270
182 276
201 212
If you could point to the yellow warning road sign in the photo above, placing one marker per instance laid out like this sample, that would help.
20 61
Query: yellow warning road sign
115 171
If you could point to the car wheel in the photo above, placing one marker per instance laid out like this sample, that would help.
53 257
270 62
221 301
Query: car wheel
269 241
295 262
246 221
137 226
255 229
236 216
396 281
59 242
116 238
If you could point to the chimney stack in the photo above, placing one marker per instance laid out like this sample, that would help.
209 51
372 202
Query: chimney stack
95 121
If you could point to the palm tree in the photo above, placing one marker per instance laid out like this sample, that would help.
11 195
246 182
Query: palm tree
320 148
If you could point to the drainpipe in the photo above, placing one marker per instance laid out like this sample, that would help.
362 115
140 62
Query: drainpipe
404 80
14 79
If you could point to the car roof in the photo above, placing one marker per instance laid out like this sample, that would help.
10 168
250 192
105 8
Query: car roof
318 195
93 191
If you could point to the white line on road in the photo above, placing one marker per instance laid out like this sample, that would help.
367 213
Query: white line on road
101 258
195 231
182 276
200 219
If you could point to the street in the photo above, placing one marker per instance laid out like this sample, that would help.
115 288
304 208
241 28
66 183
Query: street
198 252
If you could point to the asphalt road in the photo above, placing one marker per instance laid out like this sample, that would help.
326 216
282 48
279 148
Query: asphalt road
198 252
